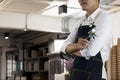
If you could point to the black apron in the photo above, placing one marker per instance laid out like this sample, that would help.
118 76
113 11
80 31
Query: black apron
84 69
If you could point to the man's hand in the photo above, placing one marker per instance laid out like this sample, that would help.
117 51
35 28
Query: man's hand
83 42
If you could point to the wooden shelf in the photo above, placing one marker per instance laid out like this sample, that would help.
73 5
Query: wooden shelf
37 58
41 57
35 62
39 71
30 59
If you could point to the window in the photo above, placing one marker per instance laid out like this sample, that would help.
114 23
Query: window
11 64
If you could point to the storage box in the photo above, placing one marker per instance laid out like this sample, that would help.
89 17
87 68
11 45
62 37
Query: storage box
114 63
62 76
20 78
118 42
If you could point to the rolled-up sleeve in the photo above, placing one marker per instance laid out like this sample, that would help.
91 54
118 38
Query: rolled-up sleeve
103 34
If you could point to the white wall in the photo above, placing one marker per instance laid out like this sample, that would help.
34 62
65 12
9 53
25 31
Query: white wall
3 65
116 27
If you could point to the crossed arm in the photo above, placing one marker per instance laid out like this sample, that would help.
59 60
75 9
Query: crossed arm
74 48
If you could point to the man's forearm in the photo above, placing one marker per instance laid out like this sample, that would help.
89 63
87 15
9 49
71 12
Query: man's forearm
73 48
81 44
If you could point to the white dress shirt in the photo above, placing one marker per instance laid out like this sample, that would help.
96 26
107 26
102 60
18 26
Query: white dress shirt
102 39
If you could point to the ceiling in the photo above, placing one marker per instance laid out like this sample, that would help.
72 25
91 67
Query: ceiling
20 34
29 6
41 6
47 7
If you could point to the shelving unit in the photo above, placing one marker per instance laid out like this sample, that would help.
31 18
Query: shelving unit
36 61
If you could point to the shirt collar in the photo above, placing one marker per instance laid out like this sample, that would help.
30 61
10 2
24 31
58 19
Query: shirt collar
91 18
94 14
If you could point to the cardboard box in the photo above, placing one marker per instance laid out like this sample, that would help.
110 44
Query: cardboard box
20 78
62 76
114 63
118 42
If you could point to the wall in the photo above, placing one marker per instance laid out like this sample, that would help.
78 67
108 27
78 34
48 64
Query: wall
3 61
116 27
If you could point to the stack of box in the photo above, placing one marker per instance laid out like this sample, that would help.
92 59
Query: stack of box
35 77
59 77
46 65
118 59
118 42
114 63
33 53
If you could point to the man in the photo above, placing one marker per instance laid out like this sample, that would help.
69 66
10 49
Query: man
91 55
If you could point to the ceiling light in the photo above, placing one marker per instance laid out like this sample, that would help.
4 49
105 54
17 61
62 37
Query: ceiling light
6 35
